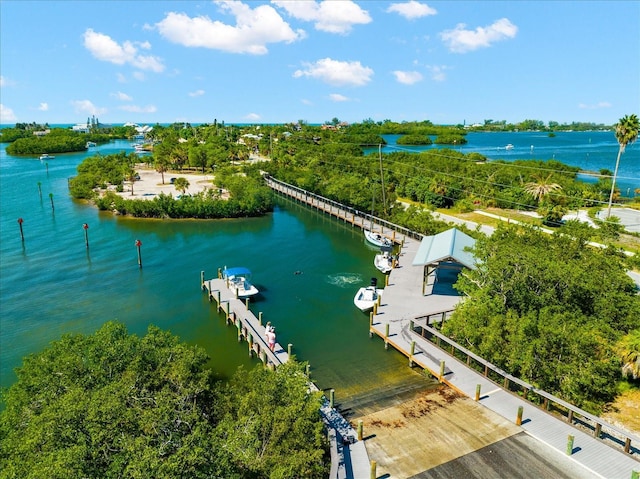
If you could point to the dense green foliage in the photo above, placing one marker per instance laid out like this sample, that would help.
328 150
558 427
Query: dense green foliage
58 140
414 140
548 309
115 405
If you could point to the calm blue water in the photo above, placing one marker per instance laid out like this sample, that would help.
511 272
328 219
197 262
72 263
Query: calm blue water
51 284
590 151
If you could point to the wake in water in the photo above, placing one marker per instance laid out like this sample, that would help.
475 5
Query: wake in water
344 280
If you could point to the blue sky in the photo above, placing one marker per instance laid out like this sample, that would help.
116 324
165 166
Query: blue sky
282 61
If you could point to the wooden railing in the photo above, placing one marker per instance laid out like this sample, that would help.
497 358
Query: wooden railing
335 208
572 414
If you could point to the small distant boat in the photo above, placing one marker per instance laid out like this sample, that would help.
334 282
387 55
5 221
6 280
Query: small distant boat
509 147
377 239
239 281
366 297
383 261
46 156
90 144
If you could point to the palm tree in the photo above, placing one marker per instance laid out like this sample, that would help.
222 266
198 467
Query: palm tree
626 133
541 188
628 348
181 184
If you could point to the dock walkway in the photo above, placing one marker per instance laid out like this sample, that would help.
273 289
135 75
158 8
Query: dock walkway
410 304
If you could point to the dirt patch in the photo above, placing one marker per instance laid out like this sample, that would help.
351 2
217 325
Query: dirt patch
433 428
625 411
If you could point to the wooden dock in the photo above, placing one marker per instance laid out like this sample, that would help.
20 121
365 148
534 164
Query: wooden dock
409 308
349 458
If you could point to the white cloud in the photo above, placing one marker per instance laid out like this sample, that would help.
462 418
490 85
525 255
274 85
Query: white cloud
438 72
4 81
253 30
336 73
412 9
85 106
252 117
337 97
7 115
597 106
43 107
104 48
138 109
121 96
329 15
196 93
407 78
461 40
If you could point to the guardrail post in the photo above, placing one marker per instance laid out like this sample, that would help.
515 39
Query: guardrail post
596 433
441 370
627 445
478 386
360 429
570 439
519 416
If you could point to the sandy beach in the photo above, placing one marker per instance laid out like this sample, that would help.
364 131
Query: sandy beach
150 184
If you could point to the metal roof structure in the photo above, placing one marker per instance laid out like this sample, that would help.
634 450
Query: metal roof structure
450 245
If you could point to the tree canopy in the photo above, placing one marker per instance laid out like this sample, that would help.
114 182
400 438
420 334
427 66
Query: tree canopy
548 309
113 404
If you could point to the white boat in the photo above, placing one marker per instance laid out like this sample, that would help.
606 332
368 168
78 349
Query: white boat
509 147
377 239
46 156
239 281
383 261
367 296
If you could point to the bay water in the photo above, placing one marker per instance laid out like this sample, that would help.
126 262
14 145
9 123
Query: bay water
307 265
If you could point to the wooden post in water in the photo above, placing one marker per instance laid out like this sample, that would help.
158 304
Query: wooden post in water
246 303
413 349
85 227
332 397
202 280
20 221
570 439
219 273
40 190
441 375
51 198
250 341
263 356
260 318
477 392
138 244
360 429
289 349
239 325
519 416
371 324
386 336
